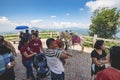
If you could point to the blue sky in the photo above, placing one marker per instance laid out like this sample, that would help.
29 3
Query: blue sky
49 13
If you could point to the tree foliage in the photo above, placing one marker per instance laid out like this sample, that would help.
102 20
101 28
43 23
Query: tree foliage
105 22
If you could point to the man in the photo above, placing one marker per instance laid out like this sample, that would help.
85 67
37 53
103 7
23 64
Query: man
53 59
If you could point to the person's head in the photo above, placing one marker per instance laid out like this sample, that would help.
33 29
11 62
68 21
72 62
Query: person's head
34 36
51 43
32 31
66 30
99 44
61 44
1 39
57 37
26 31
115 57
23 42
37 31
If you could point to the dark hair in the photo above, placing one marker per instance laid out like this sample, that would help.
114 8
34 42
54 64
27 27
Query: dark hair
49 41
35 34
2 37
57 36
98 44
3 48
27 31
22 42
115 57
61 44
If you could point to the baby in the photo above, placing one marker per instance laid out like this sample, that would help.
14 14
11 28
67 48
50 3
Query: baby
61 47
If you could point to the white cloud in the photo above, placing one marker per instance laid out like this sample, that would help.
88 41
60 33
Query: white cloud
67 14
36 21
7 25
70 24
81 9
92 5
53 16
3 19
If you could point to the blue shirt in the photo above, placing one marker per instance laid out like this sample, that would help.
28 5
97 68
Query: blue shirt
4 60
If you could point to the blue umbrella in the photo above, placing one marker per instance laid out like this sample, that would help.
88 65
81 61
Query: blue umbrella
21 27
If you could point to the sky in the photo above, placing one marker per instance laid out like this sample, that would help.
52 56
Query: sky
50 13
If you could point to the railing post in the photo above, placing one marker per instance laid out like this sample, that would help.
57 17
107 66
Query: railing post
50 34
94 39
57 33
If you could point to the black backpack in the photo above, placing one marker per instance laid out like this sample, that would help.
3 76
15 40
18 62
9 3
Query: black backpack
41 63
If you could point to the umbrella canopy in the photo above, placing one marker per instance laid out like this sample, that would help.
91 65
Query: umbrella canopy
21 27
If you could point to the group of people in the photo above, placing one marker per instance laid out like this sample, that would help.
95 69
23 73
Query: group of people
31 45
55 54
100 58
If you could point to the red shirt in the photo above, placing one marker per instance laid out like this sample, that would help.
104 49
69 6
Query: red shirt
56 42
27 50
35 45
108 74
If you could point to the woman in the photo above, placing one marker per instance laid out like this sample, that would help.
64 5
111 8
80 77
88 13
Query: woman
27 55
99 59
113 72
9 45
36 44
7 62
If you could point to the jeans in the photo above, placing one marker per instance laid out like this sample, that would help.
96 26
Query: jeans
29 70
55 76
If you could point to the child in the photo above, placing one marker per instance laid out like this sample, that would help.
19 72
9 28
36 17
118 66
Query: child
61 48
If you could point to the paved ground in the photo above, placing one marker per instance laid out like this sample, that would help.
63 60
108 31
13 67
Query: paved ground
78 69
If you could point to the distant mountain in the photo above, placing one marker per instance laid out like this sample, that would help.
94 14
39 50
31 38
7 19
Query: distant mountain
72 29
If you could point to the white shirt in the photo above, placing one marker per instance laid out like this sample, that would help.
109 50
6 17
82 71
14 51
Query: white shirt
54 62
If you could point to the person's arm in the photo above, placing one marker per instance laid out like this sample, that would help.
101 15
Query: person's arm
68 54
64 56
95 61
28 56
104 61
41 47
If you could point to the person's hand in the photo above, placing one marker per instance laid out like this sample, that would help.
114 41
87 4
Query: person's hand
10 65
70 55
34 53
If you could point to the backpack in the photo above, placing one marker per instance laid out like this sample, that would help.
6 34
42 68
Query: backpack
41 63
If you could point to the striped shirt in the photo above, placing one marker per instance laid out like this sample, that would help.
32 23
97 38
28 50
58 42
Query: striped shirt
53 60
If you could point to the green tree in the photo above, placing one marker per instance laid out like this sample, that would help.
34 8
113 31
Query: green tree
105 23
